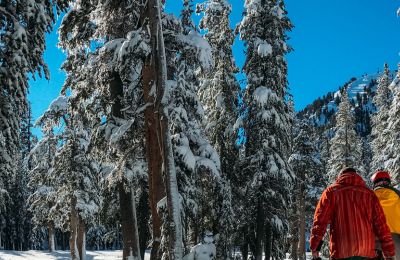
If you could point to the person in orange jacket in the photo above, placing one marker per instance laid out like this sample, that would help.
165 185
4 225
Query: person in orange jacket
355 217
389 198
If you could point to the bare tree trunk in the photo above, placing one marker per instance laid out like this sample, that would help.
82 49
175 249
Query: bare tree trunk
294 243
302 219
260 232
52 244
157 63
130 234
127 203
143 220
73 229
153 146
81 239
294 223
245 246
268 241
154 159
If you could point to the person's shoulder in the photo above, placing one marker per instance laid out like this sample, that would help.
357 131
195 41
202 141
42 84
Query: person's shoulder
333 187
394 190
330 190
388 192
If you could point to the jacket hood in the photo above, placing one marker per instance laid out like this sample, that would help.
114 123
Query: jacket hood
350 179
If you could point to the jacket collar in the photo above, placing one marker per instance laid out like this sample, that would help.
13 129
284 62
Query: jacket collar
382 184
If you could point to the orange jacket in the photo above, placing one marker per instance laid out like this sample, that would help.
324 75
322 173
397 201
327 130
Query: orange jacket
390 202
355 217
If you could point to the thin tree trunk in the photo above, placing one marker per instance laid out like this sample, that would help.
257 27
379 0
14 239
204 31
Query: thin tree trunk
143 219
294 241
127 203
302 219
73 229
245 246
260 231
193 232
294 244
130 234
268 241
81 239
52 244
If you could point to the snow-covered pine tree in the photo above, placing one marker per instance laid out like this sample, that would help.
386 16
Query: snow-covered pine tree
345 146
218 93
393 141
41 181
309 183
196 161
110 82
186 17
366 157
77 185
268 127
20 225
219 89
23 25
206 205
380 132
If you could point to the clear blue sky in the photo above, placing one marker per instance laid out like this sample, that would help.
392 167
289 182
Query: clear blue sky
332 40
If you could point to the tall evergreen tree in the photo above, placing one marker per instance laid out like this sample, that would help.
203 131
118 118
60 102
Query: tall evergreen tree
309 185
206 203
380 132
20 226
393 140
23 25
43 183
345 146
108 81
218 93
269 178
219 89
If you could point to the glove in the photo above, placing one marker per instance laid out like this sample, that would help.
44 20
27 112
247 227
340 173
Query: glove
315 255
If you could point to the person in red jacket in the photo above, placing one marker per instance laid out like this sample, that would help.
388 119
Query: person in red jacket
355 217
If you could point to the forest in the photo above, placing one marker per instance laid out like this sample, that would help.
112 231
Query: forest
154 147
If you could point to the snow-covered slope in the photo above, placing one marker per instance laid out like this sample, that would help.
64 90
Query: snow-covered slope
361 91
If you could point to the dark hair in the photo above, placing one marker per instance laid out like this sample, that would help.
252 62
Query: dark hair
347 170
385 181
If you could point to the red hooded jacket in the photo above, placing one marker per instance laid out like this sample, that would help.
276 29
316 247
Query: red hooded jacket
355 217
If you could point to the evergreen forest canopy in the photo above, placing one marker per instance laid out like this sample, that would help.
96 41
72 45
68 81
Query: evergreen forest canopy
140 150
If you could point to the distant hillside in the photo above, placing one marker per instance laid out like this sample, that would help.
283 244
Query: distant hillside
361 92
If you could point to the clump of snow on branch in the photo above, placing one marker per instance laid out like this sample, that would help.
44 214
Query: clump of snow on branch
200 46
263 48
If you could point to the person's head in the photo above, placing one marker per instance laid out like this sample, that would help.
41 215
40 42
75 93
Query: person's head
348 170
208 237
381 178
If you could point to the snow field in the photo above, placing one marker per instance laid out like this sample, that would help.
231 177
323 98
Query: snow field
61 255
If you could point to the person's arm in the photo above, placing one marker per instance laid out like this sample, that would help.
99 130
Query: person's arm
381 229
322 218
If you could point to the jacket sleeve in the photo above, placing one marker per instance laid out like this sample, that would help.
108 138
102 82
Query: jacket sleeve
381 229
322 218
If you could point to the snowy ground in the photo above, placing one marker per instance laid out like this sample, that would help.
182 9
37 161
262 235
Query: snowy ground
64 255
60 255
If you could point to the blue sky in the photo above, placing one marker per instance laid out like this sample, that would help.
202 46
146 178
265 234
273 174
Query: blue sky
332 40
